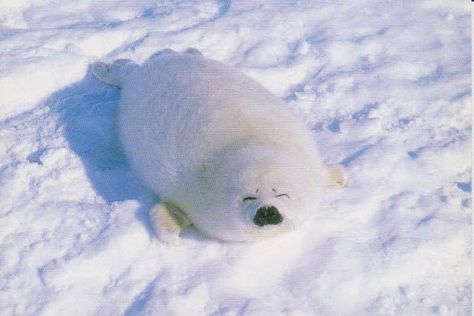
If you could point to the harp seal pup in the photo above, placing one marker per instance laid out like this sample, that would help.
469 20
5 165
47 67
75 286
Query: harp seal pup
220 151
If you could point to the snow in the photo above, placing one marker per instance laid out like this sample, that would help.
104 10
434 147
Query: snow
385 87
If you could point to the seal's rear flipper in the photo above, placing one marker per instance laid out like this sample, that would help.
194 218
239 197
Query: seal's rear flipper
168 221
113 73
193 51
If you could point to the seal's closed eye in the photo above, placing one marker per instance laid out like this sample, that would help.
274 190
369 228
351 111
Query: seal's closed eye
283 194
249 198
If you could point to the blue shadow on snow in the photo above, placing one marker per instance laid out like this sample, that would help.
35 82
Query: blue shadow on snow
87 112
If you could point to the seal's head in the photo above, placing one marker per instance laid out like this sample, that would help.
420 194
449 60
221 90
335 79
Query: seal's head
255 193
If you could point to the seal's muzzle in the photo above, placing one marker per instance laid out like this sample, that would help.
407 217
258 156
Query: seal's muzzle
267 215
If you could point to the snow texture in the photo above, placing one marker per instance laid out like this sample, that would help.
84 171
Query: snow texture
385 87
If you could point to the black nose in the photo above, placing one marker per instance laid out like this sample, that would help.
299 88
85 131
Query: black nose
267 215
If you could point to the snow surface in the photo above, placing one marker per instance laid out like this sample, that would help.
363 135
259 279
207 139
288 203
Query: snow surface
384 85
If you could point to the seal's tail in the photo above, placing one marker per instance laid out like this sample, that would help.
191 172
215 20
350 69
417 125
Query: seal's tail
113 73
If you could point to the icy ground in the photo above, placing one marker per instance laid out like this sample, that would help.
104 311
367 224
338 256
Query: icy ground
385 87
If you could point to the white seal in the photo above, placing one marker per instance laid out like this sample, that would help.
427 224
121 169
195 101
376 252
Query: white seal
219 150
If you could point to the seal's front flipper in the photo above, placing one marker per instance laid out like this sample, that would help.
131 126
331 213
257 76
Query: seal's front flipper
168 221
336 176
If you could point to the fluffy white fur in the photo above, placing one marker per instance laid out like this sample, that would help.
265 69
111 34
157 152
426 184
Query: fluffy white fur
203 136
